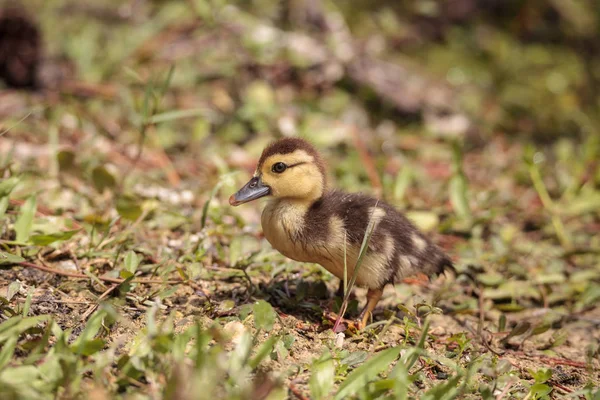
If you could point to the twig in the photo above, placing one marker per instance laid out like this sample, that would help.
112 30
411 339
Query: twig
5 130
88 90
102 278
297 392
481 314
554 360
561 387
94 306
482 339
426 368
57 301
504 391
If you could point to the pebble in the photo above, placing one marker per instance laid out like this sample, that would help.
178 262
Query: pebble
339 340
234 330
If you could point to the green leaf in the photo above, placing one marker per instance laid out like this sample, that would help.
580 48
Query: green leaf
362 375
89 332
458 185
559 337
502 323
7 258
162 89
540 390
265 349
23 375
213 193
589 202
402 381
240 354
103 179
66 160
44 240
444 391
146 102
264 315
458 196
403 181
518 330
8 349
427 221
235 250
288 341
322 377
13 289
17 325
4 201
7 185
132 261
90 347
133 74
24 222
128 208
538 330
27 304
124 274
40 347
410 361
490 278
279 351
177 114
355 358
541 375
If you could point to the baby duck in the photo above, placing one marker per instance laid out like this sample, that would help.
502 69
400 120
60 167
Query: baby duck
307 222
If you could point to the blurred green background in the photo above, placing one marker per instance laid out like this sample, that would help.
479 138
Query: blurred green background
126 125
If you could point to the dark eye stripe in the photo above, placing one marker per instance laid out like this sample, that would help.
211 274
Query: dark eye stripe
295 165
274 167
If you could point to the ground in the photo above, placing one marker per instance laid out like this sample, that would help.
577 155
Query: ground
125 273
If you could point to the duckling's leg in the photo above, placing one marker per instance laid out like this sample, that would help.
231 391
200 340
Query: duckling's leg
373 296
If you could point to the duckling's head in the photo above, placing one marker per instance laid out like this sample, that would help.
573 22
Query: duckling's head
289 168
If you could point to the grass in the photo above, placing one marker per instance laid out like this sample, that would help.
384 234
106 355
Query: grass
124 273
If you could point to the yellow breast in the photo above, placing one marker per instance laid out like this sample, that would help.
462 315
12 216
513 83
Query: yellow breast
283 223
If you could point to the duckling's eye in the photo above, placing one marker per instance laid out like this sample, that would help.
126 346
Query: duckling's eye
279 167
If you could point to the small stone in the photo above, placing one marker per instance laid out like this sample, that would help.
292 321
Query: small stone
234 331
67 265
339 340
187 196
438 331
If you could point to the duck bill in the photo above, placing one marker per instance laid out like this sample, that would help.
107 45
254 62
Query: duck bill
252 190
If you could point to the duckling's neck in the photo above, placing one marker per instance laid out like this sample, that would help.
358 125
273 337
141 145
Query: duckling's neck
288 212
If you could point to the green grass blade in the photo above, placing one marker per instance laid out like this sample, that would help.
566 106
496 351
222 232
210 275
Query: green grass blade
27 305
362 375
24 222
410 361
345 263
363 248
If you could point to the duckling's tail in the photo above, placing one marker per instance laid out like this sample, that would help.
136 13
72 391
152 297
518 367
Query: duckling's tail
445 264
435 266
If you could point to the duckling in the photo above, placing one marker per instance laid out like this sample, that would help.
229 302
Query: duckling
308 222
